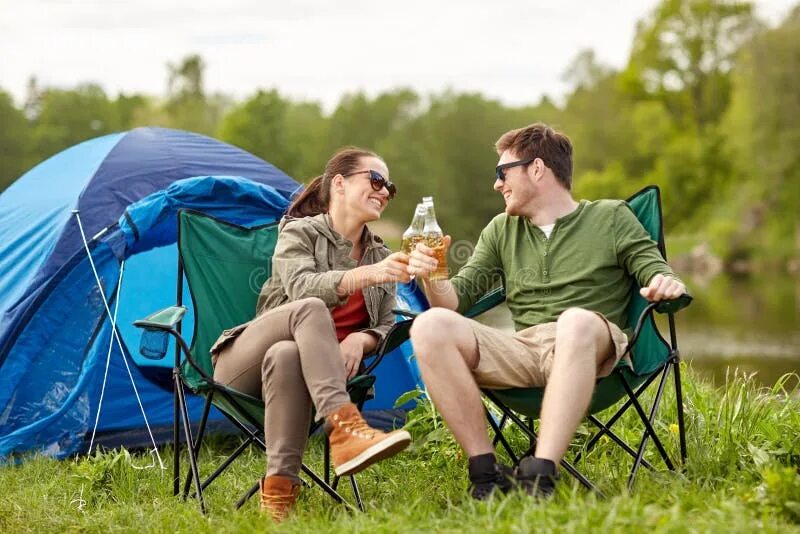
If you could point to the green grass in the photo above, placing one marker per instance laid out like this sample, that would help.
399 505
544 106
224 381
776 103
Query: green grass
742 475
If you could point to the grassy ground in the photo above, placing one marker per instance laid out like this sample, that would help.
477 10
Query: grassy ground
742 475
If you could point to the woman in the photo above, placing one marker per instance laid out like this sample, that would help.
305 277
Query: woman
327 304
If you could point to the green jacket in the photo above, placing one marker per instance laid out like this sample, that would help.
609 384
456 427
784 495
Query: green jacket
591 260
310 260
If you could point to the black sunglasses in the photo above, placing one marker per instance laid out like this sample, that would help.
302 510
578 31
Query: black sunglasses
378 182
500 170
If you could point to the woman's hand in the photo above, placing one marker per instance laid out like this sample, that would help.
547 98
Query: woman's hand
393 268
422 261
352 351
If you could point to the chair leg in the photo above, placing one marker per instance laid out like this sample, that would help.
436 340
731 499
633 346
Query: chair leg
624 408
498 435
176 437
676 364
326 453
616 439
246 497
224 465
356 493
199 440
187 430
500 426
649 431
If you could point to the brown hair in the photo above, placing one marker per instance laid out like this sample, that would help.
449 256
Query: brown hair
540 141
315 198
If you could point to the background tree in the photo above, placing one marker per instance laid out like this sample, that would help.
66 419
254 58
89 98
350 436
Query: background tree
14 141
683 52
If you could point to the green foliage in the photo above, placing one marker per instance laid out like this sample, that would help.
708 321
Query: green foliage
14 141
706 108
683 51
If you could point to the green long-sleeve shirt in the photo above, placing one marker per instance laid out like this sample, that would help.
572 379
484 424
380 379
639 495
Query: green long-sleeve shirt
587 262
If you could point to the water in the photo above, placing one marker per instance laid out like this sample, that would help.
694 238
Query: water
750 324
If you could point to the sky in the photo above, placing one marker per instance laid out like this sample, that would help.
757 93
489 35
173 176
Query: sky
513 50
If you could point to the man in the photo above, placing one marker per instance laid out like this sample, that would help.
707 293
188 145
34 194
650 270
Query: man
568 268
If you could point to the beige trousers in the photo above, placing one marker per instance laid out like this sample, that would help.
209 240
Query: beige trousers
289 356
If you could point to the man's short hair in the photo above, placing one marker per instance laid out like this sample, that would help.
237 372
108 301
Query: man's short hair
540 141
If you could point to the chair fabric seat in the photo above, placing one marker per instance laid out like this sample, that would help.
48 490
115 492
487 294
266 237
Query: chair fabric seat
608 391
253 408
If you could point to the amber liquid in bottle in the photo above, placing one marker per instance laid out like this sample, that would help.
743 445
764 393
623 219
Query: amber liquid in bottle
434 238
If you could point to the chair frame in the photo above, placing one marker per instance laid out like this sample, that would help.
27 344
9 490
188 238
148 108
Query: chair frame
250 426
672 363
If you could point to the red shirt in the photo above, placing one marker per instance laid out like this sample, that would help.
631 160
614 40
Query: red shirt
350 316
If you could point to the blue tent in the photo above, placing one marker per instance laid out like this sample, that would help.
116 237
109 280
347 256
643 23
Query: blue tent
123 190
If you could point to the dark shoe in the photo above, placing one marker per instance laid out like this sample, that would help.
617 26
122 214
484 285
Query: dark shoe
536 476
487 476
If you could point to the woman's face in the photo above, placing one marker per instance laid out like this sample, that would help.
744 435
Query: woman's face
358 194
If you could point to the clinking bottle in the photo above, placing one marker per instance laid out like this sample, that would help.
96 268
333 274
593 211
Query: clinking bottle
434 238
413 233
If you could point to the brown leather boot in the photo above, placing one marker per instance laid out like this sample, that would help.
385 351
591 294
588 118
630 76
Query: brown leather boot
355 445
278 495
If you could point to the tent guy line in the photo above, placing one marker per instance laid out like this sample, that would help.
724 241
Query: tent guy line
115 337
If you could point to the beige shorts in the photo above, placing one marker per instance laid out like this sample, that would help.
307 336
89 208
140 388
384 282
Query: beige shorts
524 359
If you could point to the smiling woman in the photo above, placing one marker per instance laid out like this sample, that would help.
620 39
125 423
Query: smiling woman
327 304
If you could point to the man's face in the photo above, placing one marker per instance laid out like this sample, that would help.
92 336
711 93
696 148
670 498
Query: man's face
517 187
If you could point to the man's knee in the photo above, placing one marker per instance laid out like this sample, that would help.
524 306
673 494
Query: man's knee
281 358
581 324
434 328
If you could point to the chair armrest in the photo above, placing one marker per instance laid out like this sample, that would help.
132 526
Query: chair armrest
165 319
491 299
674 305
396 336
662 306
405 313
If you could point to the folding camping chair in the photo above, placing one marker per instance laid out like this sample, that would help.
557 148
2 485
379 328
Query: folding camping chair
224 266
653 358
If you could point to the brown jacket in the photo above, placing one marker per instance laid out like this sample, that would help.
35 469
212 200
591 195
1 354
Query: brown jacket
310 260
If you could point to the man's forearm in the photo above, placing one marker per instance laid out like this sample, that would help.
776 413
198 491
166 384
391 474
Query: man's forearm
441 294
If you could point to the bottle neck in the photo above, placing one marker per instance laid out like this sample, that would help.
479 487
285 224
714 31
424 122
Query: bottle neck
431 224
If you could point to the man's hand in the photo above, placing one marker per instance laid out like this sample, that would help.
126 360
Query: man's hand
662 288
352 351
422 262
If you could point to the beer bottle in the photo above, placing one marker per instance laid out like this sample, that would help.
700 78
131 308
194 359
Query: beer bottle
434 238
413 233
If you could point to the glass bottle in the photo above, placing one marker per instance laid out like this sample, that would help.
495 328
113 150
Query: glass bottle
434 238
413 233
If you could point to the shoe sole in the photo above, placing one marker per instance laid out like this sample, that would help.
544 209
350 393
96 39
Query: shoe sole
390 446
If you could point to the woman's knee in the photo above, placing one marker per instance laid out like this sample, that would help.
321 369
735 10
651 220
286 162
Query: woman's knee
282 357
314 305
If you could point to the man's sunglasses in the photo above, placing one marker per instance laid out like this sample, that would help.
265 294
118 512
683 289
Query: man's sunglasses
378 182
500 170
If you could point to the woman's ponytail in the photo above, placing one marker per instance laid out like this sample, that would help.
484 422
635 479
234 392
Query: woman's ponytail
313 200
